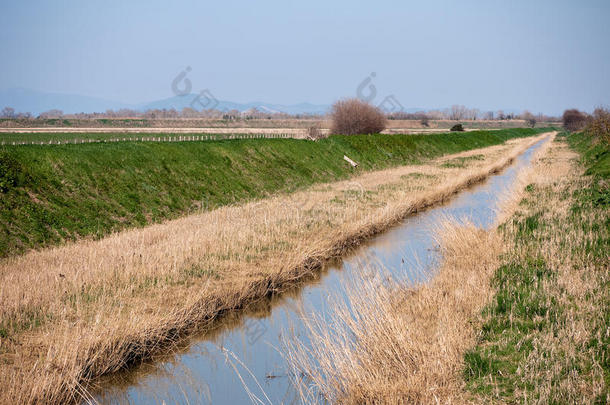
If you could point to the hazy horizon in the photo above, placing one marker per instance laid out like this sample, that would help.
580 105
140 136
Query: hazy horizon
544 57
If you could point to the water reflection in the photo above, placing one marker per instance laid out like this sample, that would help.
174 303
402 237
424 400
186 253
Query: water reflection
240 362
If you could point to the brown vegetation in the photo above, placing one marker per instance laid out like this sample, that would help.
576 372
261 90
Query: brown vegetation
392 344
314 132
396 344
599 124
544 336
574 120
529 118
354 116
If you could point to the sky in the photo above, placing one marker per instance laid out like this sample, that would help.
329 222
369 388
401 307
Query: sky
544 56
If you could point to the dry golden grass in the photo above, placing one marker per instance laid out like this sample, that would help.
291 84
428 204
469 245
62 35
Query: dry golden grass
392 344
399 345
564 364
76 312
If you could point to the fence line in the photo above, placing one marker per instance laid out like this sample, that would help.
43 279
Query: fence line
177 138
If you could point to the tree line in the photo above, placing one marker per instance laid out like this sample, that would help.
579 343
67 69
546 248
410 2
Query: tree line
455 112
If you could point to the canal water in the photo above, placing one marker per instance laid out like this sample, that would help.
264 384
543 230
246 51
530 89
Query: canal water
242 359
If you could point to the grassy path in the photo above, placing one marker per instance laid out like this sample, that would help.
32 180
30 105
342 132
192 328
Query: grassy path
545 335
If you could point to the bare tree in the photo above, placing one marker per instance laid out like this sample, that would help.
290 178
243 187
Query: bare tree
529 118
574 120
354 116
314 132
458 112
7 112
436 115
127 113
599 124
472 114
52 114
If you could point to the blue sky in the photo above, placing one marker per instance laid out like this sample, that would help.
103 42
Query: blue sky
539 55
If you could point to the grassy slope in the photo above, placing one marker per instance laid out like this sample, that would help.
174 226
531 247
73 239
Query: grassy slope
49 194
533 310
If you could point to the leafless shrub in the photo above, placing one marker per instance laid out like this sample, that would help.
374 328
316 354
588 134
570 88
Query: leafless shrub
574 120
52 114
7 112
529 118
354 116
488 115
457 112
599 125
314 133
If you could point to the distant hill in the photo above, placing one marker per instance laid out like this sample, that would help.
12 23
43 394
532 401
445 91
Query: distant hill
25 100
199 102
35 102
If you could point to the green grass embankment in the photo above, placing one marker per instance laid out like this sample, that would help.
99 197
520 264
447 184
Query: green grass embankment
53 193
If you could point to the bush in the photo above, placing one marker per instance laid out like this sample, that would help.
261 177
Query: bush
574 120
599 124
531 121
314 132
457 128
353 116
425 121
529 118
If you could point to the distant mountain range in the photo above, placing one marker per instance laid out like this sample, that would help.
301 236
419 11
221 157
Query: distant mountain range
207 100
36 102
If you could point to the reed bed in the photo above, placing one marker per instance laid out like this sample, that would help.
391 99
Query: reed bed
517 314
391 343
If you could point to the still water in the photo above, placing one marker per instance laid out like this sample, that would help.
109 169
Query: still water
243 358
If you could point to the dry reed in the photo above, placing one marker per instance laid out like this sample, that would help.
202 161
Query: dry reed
77 312
394 344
